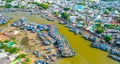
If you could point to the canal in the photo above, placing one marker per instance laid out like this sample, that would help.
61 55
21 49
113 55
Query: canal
85 54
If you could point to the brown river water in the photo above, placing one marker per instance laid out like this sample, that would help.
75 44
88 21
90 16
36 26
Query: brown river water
85 54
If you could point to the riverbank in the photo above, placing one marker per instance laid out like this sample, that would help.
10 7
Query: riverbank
85 54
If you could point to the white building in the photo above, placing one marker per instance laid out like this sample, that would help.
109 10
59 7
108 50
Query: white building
3 54
14 3
13 57
2 3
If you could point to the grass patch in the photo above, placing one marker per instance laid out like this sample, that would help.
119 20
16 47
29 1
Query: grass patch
24 41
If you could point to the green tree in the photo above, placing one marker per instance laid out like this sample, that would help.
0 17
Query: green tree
21 56
81 3
28 60
12 38
66 9
118 19
8 6
111 9
16 6
6 41
7 49
13 50
1 41
119 10
79 19
22 6
24 63
8 1
3 46
65 16
98 25
43 5
99 28
106 12
107 38
55 13
32 3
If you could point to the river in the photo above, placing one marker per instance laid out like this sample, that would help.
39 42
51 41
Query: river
85 54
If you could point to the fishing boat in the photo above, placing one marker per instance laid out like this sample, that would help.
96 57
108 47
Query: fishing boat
36 53
65 49
43 39
62 43
114 57
75 30
50 19
30 28
92 38
39 54
42 27
53 58
62 22
40 62
21 22
49 38
3 19
101 46
85 36
114 51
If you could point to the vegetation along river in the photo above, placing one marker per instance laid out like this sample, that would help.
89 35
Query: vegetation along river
85 54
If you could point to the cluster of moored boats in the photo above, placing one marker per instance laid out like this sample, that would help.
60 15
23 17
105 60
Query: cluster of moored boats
46 16
62 43
50 37
114 54
21 22
73 29
102 46
46 38
53 37
3 19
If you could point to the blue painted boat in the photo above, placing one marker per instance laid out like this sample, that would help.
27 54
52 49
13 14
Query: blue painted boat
101 46
50 39
115 51
40 62
114 57
46 42
39 54
35 52
21 22
3 19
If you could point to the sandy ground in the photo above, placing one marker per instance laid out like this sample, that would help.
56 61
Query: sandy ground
34 43
3 37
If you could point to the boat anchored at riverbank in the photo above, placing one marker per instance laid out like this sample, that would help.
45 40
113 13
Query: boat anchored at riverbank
3 19
62 43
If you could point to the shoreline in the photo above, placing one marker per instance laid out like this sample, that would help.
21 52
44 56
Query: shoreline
72 41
